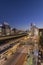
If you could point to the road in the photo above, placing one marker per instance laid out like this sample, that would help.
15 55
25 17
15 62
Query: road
7 45
17 59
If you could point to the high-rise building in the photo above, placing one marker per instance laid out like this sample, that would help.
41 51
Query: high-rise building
0 29
6 30
41 31
34 30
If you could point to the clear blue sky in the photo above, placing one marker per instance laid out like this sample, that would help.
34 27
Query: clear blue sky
20 13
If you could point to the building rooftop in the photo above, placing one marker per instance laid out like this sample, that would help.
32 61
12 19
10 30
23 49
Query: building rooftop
5 23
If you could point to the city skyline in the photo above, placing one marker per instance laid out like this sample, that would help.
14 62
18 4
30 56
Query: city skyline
20 13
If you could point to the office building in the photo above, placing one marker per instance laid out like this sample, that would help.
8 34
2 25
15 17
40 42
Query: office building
6 29
0 29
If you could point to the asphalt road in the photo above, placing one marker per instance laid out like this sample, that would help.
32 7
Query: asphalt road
6 46
17 59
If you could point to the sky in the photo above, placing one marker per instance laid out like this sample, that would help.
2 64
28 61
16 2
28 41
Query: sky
20 13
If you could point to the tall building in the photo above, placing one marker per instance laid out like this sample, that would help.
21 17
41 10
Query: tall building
41 39
41 31
0 29
6 30
34 30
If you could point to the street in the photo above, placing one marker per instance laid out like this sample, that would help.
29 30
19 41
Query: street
23 52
